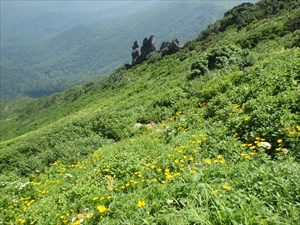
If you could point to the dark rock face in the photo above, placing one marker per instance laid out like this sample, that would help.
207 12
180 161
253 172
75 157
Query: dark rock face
149 45
136 51
139 55
168 48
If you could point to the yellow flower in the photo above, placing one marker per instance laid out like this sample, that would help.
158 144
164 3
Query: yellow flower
226 187
101 208
291 132
95 198
246 118
88 216
141 204
20 220
207 161
215 192
279 140
193 171
219 157
148 213
222 161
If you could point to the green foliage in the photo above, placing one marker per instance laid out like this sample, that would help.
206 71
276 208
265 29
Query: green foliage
148 146
268 33
153 57
293 22
199 68
222 57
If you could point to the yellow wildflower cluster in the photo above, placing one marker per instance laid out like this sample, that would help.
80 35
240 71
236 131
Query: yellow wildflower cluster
197 141
168 175
21 221
181 127
259 142
138 174
219 159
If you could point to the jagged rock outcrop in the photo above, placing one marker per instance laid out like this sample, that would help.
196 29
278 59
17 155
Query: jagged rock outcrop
168 48
149 45
139 55
136 51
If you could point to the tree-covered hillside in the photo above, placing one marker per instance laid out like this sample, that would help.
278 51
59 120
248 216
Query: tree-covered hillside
208 135
51 56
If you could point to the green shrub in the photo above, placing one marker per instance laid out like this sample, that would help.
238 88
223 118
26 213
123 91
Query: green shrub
153 57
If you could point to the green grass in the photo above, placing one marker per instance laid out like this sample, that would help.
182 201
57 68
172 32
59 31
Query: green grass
215 148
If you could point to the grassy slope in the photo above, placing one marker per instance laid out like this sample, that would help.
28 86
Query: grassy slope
200 164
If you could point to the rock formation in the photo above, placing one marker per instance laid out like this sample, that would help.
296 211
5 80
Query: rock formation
136 51
139 55
168 48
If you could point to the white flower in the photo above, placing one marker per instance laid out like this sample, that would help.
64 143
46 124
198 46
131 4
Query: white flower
265 144
23 185
81 219
68 175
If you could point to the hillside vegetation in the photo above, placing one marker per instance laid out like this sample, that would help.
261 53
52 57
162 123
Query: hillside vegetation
209 135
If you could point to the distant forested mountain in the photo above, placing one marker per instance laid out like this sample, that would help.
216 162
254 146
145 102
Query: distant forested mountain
53 50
